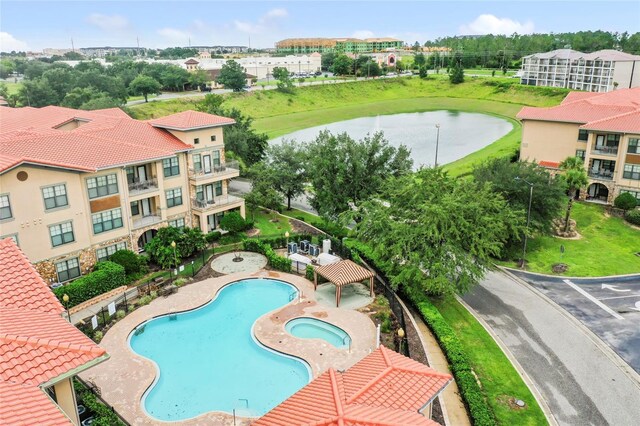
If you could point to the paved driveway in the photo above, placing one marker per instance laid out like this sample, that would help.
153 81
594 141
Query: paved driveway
579 379
609 307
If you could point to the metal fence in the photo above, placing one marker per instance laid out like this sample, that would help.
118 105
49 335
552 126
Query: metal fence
95 390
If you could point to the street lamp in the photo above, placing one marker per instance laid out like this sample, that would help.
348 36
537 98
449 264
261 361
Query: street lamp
65 299
526 232
437 141
286 235
175 258
400 333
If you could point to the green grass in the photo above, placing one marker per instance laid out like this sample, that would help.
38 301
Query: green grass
263 221
12 87
297 214
607 247
487 72
498 377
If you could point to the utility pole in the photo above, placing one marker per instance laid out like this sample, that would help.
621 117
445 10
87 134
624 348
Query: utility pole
72 47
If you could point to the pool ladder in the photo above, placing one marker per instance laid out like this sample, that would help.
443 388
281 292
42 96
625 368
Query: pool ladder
293 295
345 338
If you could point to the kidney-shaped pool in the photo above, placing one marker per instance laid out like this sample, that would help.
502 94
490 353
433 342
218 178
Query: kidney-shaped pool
208 359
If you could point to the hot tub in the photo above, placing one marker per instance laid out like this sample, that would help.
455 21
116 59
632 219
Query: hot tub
312 328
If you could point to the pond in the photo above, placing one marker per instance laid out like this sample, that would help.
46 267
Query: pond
461 133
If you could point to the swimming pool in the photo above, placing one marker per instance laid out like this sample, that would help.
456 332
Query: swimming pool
208 359
312 328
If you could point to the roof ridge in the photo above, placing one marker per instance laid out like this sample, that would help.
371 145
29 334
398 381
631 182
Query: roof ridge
635 111
333 379
370 383
52 343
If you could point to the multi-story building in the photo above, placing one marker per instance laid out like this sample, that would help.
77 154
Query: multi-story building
601 128
600 71
75 186
305 46
260 67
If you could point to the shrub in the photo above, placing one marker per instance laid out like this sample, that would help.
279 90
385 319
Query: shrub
102 415
188 241
97 336
106 276
625 201
277 262
120 314
300 218
331 228
633 217
212 237
130 261
233 222
145 300
308 273
180 282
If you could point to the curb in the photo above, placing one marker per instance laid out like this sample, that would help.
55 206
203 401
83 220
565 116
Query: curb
597 341
511 270
542 403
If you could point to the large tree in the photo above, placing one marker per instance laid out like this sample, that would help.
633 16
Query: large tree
263 192
344 172
287 163
145 85
342 65
576 177
232 76
438 234
284 80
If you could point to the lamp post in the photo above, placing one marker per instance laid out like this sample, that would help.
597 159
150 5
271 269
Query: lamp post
526 231
437 142
286 235
65 299
175 258
400 333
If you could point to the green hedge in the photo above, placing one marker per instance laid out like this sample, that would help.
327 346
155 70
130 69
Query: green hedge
105 277
103 416
473 396
308 273
633 217
277 262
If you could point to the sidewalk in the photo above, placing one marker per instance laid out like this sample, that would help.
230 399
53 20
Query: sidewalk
89 311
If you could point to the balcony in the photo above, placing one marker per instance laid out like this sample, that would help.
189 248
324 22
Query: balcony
153 217
605 150
226 170
601 174
140 187
214 203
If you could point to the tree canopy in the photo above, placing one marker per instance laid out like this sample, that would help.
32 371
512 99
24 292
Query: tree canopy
144 85
284 80
232 76
286 162
342 65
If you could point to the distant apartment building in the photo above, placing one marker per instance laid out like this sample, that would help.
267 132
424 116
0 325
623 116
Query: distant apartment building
305 46
101 52
75 186
600 71
601 128
219 49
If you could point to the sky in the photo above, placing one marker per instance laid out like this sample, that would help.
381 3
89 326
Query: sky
29 25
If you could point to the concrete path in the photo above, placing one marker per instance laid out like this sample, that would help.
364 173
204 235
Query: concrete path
580 378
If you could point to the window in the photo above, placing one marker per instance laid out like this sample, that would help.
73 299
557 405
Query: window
197 162
634 193
106 221
613 139
174 197
68 269
102 185
631 171
177 223
14 237
583 135
213 138
634 146
61 234
216 158
104 252
55 196
171 167
135 208
580 153
5 207
196 141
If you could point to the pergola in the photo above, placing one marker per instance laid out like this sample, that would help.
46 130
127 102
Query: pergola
343 273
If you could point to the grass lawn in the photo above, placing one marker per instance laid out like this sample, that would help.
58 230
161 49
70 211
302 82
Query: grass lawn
607 247
263 221
498 377
487 71
12 87
299 214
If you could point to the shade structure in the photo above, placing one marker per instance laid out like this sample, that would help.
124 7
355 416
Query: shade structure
343 273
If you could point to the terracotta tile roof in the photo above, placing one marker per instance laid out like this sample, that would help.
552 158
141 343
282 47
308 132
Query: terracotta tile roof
578 96
585 109
103 139
344 272
549 164
190 120
22 286
28 405
384 388
623 123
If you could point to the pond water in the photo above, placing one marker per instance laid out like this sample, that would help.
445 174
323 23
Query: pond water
461 133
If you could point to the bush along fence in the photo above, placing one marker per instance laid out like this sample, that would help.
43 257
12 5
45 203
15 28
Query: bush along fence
277 262
105 277
103 413
472 395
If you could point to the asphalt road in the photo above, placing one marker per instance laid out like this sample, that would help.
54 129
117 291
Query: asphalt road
241 186
574 372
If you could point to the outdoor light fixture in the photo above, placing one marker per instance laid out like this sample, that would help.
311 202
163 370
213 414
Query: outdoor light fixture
65 299
526 231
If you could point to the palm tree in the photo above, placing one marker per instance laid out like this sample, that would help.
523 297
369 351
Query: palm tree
576 177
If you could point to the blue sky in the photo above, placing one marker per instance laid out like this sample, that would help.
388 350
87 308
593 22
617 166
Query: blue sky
36 25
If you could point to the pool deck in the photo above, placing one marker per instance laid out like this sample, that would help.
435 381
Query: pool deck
124 378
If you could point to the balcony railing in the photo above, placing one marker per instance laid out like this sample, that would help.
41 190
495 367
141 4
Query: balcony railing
601 174
140 187
216 202
230 168
140 221
605 150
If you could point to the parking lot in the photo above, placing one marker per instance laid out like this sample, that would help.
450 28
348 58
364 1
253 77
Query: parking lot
609 307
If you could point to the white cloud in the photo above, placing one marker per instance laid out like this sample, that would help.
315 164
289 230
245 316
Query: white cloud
362 34
110 23
174 36
265 22
276 13
9 43
491 24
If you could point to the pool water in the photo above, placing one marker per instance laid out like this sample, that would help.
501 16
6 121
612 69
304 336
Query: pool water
208 359
311 328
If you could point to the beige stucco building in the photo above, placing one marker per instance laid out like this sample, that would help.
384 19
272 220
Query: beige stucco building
603 129
75 186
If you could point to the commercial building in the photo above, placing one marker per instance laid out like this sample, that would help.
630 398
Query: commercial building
601 128
75 186
600 71
40 352
305 46
260 67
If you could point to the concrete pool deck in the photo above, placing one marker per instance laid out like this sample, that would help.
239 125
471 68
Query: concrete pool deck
251 262
124 378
